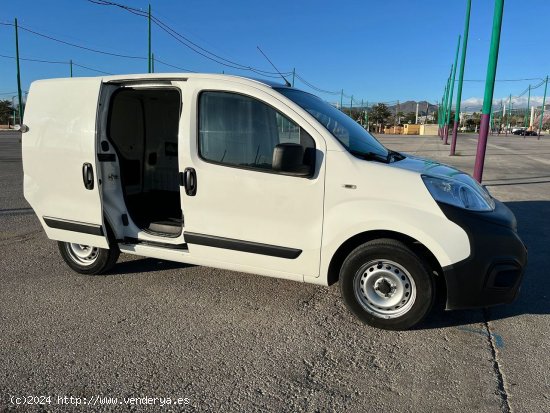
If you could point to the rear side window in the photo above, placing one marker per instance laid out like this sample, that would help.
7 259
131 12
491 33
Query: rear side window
241 131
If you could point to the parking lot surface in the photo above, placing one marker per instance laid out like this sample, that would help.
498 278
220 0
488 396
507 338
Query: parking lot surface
230 341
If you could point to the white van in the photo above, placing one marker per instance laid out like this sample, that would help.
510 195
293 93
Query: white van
250 176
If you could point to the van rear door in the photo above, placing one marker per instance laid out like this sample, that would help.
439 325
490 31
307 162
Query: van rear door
59 159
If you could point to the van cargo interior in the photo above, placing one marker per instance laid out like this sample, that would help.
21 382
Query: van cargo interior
143 128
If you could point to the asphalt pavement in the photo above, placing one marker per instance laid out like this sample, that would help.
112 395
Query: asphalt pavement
228 341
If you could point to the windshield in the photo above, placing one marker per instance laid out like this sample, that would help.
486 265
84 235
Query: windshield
348 132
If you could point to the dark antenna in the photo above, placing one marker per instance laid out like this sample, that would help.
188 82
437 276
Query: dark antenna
284 78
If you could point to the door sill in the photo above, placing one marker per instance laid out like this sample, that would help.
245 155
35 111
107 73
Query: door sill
134 241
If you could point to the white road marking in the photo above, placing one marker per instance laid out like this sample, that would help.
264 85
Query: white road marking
503 148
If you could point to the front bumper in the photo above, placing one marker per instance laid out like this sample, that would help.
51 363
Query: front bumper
493 272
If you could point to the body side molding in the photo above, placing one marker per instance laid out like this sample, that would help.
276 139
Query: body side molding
74 226
239 245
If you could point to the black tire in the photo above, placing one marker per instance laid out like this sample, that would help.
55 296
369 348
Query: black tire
380 272
99 261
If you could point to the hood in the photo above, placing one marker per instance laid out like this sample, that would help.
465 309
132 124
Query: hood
425 166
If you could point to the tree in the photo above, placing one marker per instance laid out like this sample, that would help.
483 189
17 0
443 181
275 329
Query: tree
409 118
6 111
473 121
379 114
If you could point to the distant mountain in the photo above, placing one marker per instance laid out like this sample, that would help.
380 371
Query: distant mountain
410 106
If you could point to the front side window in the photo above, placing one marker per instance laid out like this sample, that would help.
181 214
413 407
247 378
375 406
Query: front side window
241 131
348 132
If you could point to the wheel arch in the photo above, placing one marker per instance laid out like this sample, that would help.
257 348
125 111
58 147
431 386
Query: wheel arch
350 244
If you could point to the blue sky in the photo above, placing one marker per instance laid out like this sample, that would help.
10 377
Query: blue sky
375 50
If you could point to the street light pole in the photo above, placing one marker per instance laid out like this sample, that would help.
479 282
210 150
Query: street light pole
18 73
13 106
452 91
461 77
528 107
445 105
367 116
542 109
489 90
150 67
508 114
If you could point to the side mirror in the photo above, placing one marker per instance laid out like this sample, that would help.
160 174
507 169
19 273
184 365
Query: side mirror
289 159
21 128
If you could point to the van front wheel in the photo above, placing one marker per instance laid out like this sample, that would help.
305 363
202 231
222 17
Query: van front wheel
387 285
86 259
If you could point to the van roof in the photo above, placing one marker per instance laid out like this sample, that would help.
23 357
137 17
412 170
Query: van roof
175 76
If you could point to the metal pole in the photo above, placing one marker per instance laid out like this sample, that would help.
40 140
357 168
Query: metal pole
452 91
461 77
489 90
437 108
440 114
14 111
416 121
367 116
395 119
528 107
293 75
542 109
71 64
351 107
442 108
511 111
18 73
445 104
439 123
150 66
427 110
502 114
508 113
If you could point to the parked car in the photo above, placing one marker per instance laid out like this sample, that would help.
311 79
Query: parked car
524 132
254 176
518 131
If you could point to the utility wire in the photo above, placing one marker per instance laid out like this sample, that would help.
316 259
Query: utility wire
502 80
173 66
174 34
93 70
188 42
35 60
328 92
57 62
84 48
74 44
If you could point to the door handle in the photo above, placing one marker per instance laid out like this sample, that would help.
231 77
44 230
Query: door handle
190 181
88 175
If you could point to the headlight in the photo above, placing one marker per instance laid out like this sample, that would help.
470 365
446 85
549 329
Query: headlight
461 191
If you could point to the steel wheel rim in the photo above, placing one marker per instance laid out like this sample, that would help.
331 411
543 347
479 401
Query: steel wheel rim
384 288
82 254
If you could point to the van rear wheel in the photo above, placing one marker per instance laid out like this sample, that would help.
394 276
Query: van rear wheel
387 285
86 259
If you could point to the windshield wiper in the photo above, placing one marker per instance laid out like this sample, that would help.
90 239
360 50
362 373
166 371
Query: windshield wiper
394 156
370 156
